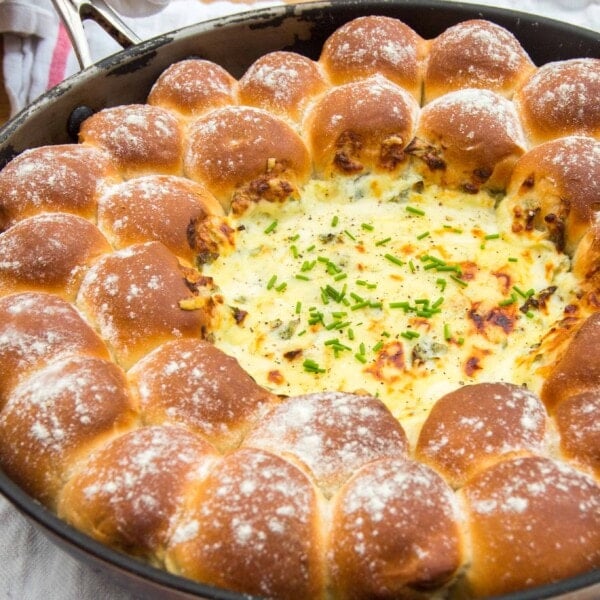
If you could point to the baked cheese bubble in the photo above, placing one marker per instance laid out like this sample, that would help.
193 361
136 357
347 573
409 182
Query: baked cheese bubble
389 287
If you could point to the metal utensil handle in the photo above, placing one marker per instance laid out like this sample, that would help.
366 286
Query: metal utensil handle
74 12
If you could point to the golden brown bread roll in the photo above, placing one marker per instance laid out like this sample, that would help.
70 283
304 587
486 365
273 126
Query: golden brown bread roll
475 54
64 178
36 328
476 425
531 521
49 253
55 417
140 138
192 87
159 208
282 83
361 126
577 422
245 150
191 382
130 490
561 98
578 370
331 433
555 188
132 296
468 139
254 527
395 532
372 45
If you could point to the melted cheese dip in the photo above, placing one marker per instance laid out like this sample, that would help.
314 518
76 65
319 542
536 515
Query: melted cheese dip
387 287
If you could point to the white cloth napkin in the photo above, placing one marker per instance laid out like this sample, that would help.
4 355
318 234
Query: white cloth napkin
37 56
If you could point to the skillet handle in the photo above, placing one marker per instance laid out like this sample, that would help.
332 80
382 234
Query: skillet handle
74 12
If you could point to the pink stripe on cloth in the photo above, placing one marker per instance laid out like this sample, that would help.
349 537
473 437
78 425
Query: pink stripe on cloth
61 52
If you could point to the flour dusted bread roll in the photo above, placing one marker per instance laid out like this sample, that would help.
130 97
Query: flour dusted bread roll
532 521
476 425
282 83
555 188
253 527
49 253
561 98
469 139
475 54
372 45
161 208
333 434
64 178
578 370
54 418
36 328
395 532
132 296
190 381
139 138
577 423
248 152
131 489
362 126
192 87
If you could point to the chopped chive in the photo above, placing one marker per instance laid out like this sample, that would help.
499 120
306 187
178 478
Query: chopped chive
367 226
281 287
375 304
460 341
271 282
340 276
310 248
378 346
271 227
409 334
415 211
356 297
437 303
529 314
298 307
447 332
530 292
411 264
294 237
360 358
302 332
492 236
423 235
403 305
362 348
302 277
383 241
393 259
351 334
459 281
307 265
513 259
294 250
442 283
312 367
520 291
349 235
359 305
335 221
508 301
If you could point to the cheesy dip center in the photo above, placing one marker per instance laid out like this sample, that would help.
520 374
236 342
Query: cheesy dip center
384 286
